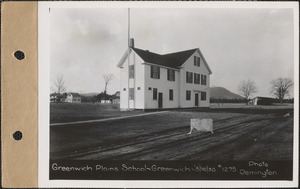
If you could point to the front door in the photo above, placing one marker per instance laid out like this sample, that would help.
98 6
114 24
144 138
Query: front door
160 100
196 99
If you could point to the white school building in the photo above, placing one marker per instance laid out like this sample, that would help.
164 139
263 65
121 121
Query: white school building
153 81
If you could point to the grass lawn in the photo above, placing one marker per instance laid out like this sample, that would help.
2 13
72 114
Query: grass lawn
69 112
275 106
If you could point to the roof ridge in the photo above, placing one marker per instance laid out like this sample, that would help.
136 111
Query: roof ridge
194 49
172 60
182 51
146 51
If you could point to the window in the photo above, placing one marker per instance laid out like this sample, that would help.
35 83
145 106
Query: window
154 93
171 94
188 95
189 77
171 75
131 93
196 78
131 71
155 72
203 96
203 79
197 61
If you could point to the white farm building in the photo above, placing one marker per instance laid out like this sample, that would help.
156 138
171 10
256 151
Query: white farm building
73 98
154 81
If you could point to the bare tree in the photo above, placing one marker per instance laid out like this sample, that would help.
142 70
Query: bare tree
281 87
107 78
247 88
59 84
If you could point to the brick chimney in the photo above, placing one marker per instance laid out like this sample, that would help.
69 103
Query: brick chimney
131 42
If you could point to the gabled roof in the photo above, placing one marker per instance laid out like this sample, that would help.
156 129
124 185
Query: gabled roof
171 60
64 95
54 94
263 98
181 56
128 51
74 94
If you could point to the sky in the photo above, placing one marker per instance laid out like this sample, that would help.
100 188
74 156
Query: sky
238 44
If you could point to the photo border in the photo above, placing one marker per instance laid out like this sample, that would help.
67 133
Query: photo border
44 91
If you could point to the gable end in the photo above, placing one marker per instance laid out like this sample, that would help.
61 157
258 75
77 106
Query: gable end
202 57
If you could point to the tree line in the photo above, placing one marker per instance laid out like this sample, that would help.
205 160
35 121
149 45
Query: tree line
99 97
280 88
58 85
226 100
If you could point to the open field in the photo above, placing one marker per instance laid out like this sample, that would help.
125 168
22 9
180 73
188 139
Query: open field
274 106
240 133
68 112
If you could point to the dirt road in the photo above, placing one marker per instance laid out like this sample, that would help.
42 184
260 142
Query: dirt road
238 135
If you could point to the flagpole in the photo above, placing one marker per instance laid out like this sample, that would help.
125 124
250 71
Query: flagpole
128 56
128 27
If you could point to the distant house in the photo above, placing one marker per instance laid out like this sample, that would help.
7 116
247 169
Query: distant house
63 97
116 101
117 94
106 101
155 81
73 98
116 98
55 97
261 101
